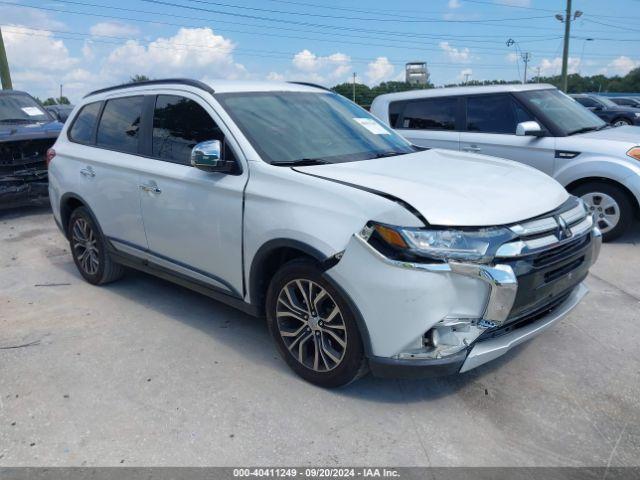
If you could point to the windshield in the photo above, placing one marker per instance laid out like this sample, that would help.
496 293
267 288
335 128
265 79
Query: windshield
21 108
304 127
563 111
607 102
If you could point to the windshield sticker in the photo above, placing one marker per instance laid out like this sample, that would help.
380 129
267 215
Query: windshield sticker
373 126
32 111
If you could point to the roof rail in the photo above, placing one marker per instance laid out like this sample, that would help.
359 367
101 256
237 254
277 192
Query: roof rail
309 84
163 81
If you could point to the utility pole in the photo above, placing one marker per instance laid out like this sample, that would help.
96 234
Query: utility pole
525 58
5 76
354 87
567 33
466 78
538 75
60 97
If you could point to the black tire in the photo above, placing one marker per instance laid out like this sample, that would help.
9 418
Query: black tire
625 207
106 270
620 121
352 364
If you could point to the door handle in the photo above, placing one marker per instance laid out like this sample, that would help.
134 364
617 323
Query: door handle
88 172
151 188
472 148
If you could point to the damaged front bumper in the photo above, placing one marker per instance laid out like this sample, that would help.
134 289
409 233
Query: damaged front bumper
23 172
426 320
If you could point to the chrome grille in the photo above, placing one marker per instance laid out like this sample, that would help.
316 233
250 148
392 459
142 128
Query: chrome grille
548 232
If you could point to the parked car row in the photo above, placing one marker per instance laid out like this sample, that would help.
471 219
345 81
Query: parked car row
609 110
365 251
534 124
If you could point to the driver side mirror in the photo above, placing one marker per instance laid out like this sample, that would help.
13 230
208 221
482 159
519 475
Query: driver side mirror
207 156
529 129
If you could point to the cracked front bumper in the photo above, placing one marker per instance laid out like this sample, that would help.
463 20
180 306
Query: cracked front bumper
401 301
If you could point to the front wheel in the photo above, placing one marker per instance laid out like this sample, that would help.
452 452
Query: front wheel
313 326
621 122
610 206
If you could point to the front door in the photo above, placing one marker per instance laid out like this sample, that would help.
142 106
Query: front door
491 122
192 218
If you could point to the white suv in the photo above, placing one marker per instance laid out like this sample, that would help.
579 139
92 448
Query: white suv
534 124
289 201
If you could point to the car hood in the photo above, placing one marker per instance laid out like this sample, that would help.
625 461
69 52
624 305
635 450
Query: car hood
453 188
10 132
627 134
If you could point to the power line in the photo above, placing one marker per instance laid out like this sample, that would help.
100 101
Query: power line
397 42
340 17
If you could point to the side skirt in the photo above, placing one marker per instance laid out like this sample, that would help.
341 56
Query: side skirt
160 272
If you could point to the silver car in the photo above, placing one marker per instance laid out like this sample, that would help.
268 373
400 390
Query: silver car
533 124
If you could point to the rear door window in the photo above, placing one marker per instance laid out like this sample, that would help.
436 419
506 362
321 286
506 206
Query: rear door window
178 125
494 114
119 127
84 126
430 114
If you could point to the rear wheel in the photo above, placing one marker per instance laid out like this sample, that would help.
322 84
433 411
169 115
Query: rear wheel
313 326
610 206
89 250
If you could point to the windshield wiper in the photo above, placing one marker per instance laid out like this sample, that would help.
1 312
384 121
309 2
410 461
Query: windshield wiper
302 162
17 120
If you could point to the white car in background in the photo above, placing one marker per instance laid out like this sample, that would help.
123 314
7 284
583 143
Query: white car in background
292 202
534 124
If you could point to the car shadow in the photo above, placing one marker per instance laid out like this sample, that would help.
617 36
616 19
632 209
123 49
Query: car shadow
237 330
632 236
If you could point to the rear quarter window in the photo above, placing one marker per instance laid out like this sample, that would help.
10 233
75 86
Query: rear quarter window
84 124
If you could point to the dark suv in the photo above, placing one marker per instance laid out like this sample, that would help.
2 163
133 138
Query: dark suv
616 115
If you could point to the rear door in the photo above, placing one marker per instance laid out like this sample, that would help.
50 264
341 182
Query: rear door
428 122
490 129
106 160
192 218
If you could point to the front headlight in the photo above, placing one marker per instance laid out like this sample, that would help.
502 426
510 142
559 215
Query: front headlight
634 153
474 245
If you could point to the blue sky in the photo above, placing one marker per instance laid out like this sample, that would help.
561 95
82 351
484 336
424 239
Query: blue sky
86 44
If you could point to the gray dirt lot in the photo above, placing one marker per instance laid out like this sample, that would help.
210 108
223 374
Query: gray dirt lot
142 372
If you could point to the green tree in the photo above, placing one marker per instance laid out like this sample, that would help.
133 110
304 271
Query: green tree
49 101
139 78
63 101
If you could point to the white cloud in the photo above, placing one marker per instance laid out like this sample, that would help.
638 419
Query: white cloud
554 66
275 77
512 57
192 52
454 4
36 50
620 66
113 29
320 69
379 70
457 55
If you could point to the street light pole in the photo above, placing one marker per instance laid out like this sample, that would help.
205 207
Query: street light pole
354 87
565 51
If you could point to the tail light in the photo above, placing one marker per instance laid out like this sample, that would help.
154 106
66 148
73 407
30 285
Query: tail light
51 153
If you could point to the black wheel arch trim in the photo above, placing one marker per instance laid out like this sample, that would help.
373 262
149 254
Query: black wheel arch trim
325 263
74 196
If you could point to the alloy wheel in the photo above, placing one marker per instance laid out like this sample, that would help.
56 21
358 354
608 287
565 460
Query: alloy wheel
85 246
620 123
311 325
605 210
